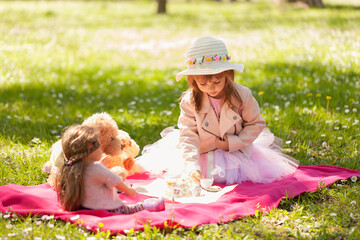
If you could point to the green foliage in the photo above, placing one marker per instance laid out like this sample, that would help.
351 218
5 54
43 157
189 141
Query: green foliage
63 61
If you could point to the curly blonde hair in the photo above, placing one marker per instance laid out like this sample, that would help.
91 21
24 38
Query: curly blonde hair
75 142
230 93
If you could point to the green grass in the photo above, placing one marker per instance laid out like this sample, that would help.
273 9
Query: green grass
60 62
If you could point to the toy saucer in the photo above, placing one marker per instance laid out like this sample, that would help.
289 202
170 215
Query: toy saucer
213 189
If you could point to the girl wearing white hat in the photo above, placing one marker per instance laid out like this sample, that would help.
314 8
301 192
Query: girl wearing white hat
221 134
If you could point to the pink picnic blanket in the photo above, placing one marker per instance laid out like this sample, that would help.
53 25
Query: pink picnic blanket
244 200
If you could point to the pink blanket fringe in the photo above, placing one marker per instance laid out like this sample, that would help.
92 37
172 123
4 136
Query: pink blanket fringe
244 200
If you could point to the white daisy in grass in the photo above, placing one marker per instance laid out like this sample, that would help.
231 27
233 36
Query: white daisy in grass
75 218
353 178
90 238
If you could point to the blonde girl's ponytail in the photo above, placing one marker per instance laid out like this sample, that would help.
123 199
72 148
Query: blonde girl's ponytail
76 141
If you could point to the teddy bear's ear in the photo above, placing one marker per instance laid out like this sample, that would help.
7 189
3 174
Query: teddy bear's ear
101 120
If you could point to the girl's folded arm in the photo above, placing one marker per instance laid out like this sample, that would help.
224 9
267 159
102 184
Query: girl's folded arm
252 126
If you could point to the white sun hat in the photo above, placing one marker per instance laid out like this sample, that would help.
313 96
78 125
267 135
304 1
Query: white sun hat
206 56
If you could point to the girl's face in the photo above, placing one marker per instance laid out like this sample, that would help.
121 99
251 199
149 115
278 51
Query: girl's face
94 156
213 85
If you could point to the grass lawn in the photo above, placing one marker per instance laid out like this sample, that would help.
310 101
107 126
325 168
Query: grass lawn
60 62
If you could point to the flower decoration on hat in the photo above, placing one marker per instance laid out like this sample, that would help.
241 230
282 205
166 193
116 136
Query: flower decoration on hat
190 61
199 60
207 59
223 58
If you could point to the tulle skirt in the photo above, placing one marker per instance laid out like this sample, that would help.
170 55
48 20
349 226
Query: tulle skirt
267 162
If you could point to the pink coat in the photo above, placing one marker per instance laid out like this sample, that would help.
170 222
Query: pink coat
198 130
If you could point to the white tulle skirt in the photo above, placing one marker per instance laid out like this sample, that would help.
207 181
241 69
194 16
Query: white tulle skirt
267 162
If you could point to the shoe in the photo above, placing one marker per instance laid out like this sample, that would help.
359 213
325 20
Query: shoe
154 204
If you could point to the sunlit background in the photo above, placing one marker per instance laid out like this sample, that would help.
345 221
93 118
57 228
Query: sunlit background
62 61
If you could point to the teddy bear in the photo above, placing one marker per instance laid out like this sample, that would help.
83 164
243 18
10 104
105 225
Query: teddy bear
119 150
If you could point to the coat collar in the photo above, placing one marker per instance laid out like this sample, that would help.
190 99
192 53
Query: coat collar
206 105
228 117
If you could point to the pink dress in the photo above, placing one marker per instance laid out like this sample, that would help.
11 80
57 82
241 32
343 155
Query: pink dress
267 162
265 165
99 190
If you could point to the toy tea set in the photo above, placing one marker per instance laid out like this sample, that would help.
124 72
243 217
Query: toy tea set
184 187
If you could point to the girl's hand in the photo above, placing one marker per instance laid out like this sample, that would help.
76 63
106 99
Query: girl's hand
126 189
131 192
222 144
196 176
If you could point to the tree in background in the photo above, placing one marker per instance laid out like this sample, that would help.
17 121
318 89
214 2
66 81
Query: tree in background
161 6
310 3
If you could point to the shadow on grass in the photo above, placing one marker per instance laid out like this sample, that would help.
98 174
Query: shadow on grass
232 17
280 79
140 107
342 7
143 106
261 16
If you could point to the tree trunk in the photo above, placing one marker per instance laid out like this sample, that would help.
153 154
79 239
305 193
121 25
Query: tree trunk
318 3
310 3
314 3
161 6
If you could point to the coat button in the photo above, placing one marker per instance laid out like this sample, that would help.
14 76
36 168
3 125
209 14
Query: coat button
234 117
206 124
